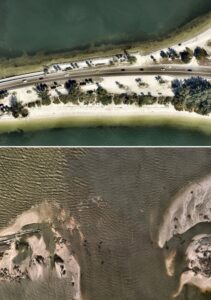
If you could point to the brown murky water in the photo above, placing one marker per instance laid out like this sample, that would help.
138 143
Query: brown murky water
118 196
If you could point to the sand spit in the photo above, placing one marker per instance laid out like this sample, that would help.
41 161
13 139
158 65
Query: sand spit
190 207
169 262
26 255
198 270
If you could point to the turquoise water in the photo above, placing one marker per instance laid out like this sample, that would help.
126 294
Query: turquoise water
107 136
52 25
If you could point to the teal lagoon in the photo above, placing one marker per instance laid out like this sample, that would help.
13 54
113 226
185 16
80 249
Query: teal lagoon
28 26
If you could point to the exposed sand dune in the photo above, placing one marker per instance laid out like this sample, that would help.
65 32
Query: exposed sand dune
198 271
25 254
190 207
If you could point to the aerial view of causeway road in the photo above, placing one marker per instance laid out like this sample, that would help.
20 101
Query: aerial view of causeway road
165 81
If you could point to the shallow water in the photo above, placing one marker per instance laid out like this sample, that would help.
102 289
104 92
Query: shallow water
51 25
119 197
108 136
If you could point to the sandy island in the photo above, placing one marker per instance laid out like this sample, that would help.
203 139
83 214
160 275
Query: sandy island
25 254
191 206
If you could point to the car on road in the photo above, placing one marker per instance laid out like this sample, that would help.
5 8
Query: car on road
190 70
24 81
41 78
141 69
122 70
162 69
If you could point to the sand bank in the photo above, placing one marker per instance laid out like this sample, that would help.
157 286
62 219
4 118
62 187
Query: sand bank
61 116
40 255
198 271
192 205
189 207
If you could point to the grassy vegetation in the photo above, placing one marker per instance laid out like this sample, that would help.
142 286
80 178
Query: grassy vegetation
18 109
27 64
43 93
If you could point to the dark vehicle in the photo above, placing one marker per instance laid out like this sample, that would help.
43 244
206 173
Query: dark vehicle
141 69
41 78
190 70
122 70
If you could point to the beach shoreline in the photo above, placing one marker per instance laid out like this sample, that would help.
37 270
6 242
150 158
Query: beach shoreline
147 116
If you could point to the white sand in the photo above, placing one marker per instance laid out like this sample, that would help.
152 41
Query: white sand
198 251
199 40
169 263
38 214
130 84
38 265
189 207
62 110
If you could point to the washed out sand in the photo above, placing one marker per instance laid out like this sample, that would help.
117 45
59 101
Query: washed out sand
25 254
198 270
189 207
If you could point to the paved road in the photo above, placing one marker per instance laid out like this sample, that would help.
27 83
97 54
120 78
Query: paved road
175 70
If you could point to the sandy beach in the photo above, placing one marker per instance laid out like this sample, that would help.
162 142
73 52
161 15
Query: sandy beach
57 116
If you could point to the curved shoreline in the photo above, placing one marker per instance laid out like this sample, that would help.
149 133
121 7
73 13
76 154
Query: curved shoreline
27 64
183 121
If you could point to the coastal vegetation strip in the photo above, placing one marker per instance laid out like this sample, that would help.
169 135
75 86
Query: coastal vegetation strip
191 94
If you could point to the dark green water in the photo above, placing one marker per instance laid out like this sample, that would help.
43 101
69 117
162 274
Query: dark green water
52 25
107 136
